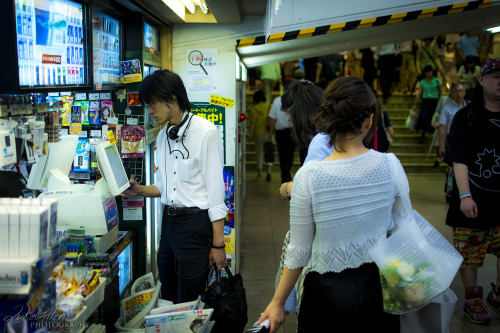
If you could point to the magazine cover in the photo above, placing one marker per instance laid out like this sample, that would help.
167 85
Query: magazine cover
185 321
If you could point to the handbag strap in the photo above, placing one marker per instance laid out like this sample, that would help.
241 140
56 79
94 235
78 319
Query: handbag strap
375 139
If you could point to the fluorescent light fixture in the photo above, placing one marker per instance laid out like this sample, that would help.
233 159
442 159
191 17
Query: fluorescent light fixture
203 6
177 7
238 71
189 5
494 30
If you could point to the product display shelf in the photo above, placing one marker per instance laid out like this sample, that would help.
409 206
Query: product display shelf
91 303
30 274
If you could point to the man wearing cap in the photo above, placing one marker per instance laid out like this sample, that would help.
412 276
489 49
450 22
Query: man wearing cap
474 149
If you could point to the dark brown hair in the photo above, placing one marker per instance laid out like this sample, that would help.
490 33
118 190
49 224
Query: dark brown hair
347 102
302 99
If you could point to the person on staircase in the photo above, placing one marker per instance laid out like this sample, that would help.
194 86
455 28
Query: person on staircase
259 124
473 149
455 102
428 97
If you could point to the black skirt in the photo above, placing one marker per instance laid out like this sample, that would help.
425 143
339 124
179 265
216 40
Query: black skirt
349 301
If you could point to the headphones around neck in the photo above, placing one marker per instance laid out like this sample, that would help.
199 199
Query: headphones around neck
173 130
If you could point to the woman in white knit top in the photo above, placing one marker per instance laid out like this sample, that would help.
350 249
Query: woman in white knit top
340 207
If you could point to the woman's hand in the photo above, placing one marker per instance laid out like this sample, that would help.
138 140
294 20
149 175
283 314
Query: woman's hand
286 191
468 207
275 312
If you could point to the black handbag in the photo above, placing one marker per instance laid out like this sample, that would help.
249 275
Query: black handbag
228 299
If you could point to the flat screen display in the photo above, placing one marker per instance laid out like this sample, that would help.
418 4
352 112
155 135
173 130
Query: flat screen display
116 166
150 37
50 48
124 268
106 41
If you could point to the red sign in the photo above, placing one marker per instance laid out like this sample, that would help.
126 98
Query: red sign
51 59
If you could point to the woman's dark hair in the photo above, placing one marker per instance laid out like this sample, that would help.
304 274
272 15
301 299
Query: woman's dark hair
301 100
427 68
163 85
469 60
347 102
259 96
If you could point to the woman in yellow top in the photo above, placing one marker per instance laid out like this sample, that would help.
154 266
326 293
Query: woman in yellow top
259 129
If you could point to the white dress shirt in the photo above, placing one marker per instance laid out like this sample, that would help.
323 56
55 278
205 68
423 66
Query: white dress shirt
282 121
190 168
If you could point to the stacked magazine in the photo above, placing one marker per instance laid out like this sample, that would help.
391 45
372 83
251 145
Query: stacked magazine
143 311
183 317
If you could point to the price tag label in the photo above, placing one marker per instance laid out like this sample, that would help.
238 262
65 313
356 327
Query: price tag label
132 121
98 86
95 133
83 134
111 137
105 96
81 97
93 96
65 93
113 120
64 131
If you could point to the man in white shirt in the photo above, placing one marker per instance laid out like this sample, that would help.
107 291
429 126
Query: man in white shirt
455 102
284 141
191 186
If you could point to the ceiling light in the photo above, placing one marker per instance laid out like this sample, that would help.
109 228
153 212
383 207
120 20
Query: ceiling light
494 29
189 5
203 6
177 7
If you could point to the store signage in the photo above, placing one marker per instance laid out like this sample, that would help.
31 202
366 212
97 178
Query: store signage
51 59
132 121
222 101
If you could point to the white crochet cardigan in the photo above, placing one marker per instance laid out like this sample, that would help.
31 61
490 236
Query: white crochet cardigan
341 208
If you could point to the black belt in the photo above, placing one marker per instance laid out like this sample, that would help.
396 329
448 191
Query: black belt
173 211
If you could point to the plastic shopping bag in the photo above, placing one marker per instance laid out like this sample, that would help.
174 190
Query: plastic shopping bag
410 273
435 317
411 121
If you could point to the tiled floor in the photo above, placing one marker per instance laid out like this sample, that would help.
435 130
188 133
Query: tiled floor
265 223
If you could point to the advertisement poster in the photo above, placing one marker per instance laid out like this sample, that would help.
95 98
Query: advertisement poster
229 233
215 114
202 70
50 48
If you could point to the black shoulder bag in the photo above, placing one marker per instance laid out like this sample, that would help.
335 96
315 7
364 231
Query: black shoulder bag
228 299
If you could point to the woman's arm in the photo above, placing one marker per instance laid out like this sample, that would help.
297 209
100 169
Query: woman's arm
275 311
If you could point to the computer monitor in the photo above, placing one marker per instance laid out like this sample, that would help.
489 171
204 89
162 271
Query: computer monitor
59 157
111 167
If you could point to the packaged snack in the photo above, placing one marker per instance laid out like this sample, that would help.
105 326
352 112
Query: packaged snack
106 110
66 110
81 162
93 155
84 111
132 141
94 117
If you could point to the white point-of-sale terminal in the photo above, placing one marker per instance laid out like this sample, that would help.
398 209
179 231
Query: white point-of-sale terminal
86 209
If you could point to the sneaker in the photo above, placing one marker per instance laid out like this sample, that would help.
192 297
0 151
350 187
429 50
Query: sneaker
474 308
493 298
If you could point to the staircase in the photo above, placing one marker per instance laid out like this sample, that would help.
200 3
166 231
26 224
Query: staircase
411 150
